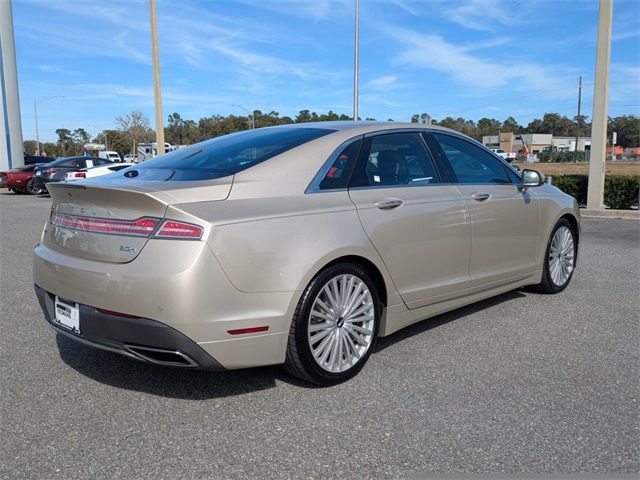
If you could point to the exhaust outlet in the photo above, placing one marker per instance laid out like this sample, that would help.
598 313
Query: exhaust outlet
161 356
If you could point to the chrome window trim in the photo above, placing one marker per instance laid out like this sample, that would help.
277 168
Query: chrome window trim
314 186
377 187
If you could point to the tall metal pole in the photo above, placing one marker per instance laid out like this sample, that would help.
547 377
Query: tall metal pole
578 116
35 112
11 146
356 65
157 92
595 192
252 115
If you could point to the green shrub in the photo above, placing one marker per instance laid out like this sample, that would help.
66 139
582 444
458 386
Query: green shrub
620 191
574 185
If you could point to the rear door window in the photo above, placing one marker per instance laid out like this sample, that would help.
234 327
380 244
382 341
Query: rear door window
396 159
73 163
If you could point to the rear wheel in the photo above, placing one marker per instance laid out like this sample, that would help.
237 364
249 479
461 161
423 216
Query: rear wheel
560 258
32 188
335 326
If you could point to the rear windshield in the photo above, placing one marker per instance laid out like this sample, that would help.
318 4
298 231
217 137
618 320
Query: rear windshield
230 154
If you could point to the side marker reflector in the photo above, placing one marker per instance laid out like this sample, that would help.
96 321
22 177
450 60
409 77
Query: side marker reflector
241 331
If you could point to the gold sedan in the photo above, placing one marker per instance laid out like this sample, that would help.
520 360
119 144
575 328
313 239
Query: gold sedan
296 245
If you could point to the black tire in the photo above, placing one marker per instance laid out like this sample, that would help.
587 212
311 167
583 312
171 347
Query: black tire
299 360
547 285
31 188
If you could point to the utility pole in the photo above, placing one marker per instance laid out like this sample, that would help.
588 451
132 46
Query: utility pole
578 117
157 92
356 65
595 192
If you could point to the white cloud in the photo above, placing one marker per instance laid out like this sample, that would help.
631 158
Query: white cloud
623 86
433 52
407 7
481 14
315 10
380 83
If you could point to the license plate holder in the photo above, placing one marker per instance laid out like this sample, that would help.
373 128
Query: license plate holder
67 314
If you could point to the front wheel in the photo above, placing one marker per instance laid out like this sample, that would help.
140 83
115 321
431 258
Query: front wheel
335 326
560 258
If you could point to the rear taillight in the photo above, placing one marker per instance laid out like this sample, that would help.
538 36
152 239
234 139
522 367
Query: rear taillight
142 227
173 229
79 175
51 171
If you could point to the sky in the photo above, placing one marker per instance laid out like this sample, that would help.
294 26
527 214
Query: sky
460 58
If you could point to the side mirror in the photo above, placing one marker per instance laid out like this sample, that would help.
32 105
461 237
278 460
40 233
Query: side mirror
532 178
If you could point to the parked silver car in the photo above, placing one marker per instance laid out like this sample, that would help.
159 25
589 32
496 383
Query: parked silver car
295 245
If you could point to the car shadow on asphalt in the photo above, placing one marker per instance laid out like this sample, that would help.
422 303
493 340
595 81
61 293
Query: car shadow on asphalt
439 320
121 372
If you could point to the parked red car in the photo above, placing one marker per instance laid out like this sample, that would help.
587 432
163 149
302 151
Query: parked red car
20 180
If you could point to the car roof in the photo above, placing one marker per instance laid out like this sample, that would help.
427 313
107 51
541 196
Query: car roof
64 159
365 126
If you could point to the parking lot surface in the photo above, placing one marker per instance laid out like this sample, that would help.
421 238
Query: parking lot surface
523 382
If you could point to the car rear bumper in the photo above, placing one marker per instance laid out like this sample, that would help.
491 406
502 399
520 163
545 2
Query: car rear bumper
139 338
178 285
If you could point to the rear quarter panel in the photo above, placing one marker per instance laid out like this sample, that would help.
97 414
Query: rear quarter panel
278 244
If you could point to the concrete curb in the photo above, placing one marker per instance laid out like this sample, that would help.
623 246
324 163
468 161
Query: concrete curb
632 214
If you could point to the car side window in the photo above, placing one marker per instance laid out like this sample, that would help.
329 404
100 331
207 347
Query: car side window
73 164
470 163
338 174
396 159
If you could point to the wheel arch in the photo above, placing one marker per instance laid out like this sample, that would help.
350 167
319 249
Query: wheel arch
573 220
370 267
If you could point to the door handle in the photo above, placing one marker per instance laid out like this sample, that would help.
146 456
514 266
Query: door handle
389 203
479 197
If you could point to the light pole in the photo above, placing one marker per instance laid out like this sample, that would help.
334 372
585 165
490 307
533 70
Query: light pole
157 91
251 115
35 111
595 187
11 146
356 65
104 135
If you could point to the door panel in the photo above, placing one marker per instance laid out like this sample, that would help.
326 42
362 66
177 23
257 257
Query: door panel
505 231
425 243
505 218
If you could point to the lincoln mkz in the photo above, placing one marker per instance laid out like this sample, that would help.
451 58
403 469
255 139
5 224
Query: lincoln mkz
297 245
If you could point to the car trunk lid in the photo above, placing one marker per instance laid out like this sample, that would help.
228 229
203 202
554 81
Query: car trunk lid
112 222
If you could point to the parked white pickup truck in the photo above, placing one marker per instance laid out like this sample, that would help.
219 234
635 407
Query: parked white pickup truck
510 156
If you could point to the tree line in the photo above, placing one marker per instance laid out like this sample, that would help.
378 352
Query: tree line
134 128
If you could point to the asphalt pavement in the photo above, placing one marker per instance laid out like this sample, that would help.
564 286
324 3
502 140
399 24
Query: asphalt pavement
521 383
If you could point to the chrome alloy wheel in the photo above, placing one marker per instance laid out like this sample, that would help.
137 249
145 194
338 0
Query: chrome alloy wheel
341 323
561 256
